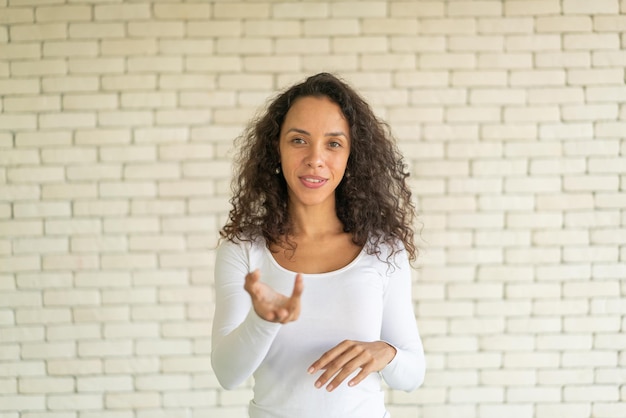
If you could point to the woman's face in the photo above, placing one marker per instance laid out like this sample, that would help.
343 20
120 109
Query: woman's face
314 149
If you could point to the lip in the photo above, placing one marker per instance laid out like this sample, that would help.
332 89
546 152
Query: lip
313 182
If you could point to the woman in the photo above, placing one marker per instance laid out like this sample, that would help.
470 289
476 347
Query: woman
313 283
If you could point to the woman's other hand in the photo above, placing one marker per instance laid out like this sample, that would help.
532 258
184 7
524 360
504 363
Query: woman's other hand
271 305
348 356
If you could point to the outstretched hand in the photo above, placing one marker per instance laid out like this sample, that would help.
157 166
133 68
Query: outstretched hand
348 356
271 305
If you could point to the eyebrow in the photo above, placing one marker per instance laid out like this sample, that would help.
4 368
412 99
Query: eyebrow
302 131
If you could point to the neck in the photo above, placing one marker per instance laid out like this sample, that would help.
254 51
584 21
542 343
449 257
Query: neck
315 222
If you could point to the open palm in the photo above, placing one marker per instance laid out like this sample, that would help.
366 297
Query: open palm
271 305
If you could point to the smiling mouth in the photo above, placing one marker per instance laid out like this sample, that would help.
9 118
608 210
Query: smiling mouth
313 182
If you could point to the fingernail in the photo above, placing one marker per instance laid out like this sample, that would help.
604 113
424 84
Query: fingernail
311 370
318 384
329 387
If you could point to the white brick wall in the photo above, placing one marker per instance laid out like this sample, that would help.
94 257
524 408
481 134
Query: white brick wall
116 123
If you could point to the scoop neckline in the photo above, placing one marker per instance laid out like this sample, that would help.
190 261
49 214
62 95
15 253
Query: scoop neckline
328 273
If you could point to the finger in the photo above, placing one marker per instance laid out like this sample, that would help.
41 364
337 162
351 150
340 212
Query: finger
329 356
359 377
298 286
340 368
349 367
251 279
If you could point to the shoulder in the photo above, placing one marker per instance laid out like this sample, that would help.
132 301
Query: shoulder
239 247
390 254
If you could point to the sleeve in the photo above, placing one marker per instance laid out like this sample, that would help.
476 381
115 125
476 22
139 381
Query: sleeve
407 369
240 338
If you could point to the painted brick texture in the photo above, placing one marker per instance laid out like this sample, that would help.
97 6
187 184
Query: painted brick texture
116 125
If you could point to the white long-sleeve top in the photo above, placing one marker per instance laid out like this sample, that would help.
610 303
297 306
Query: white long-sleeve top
367 300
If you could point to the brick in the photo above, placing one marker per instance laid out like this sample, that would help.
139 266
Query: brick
127 189
358 9
597 41
240 10
299 10
102 208
65 13
564 23
158 207
312 64
45 385
449 26
41 67
131 261
178 117
150 64
479 78
128 47
104 384
106 315
69 84
136 330
533 8
20 51
41 103
182 11
74 367
125 118
533 114
450 61
505 25
476 8
389 26
593 393
335 27
476 43
473 114
504 60
148 100
137 400
609 23
156 29
272 28
305 46
596 7
218 28
70 48
271 64
77 401
122 12
19 86
186 46
38 32
573 410
98 244
96 30
608 58
421 9
96 65
48 350
378 62
412 44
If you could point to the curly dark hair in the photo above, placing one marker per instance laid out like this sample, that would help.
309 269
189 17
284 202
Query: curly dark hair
373 200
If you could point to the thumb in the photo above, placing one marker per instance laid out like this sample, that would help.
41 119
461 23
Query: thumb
298 287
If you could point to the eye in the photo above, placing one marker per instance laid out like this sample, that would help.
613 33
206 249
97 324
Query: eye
298 141
334 144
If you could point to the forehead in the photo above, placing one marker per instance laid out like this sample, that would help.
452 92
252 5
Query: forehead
315 110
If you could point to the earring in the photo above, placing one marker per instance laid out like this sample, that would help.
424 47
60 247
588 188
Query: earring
277 171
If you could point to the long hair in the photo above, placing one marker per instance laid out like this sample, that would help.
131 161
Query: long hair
373 200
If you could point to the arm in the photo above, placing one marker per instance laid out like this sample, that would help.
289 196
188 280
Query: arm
399 356
248 315
406 370
240 338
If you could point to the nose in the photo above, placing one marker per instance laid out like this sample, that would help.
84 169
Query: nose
315 158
